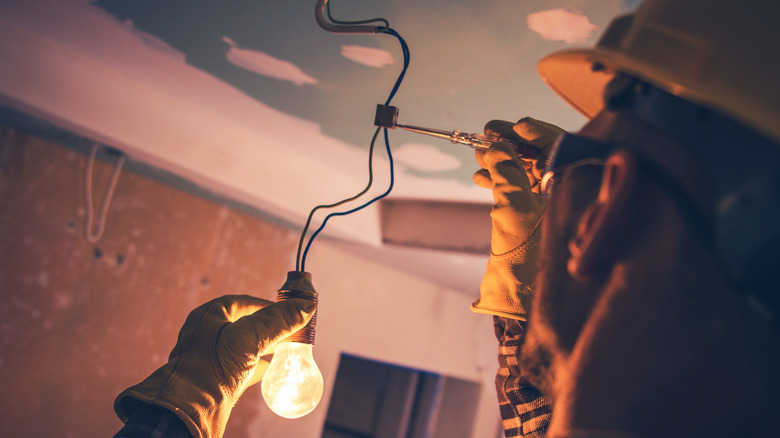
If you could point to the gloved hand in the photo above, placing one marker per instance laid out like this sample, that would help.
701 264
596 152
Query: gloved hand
216 357
507 285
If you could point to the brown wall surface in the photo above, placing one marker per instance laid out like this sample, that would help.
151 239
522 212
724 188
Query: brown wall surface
79 321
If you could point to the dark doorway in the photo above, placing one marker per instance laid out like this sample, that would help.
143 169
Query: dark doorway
379 400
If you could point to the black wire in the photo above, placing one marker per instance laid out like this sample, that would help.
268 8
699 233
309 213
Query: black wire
344 213
407 56
359 22
298 266
301 261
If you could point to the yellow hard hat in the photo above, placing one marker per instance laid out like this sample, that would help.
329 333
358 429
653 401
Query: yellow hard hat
721 54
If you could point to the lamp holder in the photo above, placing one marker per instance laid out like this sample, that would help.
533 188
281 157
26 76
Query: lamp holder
299 285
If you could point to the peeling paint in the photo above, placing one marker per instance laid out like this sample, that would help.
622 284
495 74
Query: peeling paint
266 65
369 56
561 25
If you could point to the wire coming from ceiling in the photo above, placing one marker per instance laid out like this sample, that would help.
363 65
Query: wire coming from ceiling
300 262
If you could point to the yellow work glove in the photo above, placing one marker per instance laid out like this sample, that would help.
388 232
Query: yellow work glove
507 285
216 357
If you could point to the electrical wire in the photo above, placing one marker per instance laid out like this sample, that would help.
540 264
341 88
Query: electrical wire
407 55
300 264
93 235
314 210
344 213
356 23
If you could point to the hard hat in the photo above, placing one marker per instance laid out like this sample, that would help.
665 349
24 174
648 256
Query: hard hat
721 54
708 72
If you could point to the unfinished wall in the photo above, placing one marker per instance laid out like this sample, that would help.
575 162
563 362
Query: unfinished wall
81 321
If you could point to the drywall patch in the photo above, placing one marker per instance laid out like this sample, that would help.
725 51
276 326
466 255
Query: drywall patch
266 65
369 56
561 25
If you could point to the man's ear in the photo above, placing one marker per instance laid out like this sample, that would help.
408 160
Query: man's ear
601 229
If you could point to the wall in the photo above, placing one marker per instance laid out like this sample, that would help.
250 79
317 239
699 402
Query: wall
82 321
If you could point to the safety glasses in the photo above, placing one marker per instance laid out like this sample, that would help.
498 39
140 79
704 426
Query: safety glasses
572 150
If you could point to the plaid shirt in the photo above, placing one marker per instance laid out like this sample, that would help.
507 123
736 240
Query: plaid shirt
153 421
525 411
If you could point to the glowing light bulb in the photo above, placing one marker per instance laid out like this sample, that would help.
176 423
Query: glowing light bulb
292 386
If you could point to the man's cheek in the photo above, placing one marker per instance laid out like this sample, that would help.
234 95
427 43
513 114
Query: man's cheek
561 304
542 344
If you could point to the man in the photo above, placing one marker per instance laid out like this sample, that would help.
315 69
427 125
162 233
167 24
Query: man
654 309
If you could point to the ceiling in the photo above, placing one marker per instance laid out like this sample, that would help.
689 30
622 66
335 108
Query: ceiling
251 101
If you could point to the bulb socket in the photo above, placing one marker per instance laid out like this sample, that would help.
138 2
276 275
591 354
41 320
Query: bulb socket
298 285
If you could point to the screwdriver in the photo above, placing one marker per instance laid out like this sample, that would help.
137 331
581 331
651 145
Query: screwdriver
387 116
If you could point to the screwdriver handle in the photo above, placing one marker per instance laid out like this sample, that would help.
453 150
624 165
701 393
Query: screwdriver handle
482 141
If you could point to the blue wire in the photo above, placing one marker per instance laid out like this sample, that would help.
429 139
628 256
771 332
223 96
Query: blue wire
406 54
405 50
344 213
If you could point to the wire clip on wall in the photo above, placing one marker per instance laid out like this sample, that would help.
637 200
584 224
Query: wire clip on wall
94 233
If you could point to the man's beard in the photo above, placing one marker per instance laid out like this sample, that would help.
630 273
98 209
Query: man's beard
541 344
560 308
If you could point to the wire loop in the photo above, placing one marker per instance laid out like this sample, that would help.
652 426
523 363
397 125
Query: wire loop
93 235
358 22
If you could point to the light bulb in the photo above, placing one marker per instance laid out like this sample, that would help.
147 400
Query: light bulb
292 386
